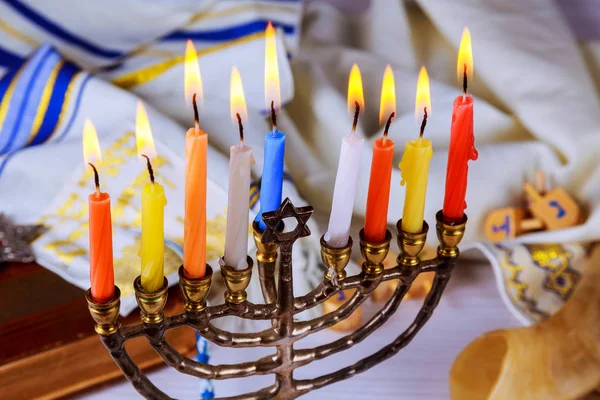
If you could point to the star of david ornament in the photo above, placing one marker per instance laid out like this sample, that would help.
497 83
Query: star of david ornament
273 220
15 239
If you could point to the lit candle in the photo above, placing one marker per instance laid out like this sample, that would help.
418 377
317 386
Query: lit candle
152 251
196 144
240 163
378 197
272 178
415 163
347 173
462 141
102 277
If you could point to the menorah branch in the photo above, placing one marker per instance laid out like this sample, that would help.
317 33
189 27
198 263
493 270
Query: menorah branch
274 262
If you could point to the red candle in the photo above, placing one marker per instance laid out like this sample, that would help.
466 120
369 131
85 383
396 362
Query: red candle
101 257
462 141
381 166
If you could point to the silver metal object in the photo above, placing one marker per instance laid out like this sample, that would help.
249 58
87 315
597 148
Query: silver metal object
15 239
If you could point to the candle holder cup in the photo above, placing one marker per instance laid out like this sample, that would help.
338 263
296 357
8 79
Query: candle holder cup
236 281
105 314
281 308
151 304
411 245
374 253
335 259
195 290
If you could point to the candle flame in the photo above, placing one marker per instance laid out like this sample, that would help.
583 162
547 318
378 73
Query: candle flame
91 146
465 57
423 97
192 79
388 96
237 100
355 90
272 92
143 133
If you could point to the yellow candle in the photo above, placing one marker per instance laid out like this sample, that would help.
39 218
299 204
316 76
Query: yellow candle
415 171
152 251
415 163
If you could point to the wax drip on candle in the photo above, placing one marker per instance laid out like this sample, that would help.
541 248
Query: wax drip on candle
356 113
387 126
96 178
273 117
239 118
149 165
424 122
196 119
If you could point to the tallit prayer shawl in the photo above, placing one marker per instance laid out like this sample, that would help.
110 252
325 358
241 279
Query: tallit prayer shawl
536 107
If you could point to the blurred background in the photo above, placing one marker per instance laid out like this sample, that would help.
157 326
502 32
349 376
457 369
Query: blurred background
536 120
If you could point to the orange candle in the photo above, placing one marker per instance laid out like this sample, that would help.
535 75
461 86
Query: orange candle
381 166
101 258
194 235
379 190
196 144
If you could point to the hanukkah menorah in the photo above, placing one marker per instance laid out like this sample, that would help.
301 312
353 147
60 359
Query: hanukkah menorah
281 307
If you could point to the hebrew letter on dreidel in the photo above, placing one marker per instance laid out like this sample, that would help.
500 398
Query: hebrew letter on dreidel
508 223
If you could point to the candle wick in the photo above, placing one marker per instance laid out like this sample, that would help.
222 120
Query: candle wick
96 178
239 118
273 117
387 126
424 122
150 170
196 118
356 113
465 79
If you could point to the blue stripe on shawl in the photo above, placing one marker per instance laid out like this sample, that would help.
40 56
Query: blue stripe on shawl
56 30
75 109
55 105
10 60
20 99
231 33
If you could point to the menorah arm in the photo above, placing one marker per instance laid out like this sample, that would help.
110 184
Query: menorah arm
115 344
326 289
431 301
181 363
305 356
245 310
305 328
267 337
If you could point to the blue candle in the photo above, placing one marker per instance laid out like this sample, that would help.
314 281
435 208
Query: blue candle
272 179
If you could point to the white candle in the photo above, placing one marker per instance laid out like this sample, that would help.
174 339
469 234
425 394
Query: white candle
344 191
238 206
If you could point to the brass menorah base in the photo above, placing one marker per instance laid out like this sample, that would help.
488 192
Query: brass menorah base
281 306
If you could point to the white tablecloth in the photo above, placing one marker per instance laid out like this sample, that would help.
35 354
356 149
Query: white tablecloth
470 307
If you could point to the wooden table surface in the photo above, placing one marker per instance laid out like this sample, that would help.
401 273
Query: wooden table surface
48 346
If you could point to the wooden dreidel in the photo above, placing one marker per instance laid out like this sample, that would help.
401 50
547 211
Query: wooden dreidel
556 209
353 321
510 222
